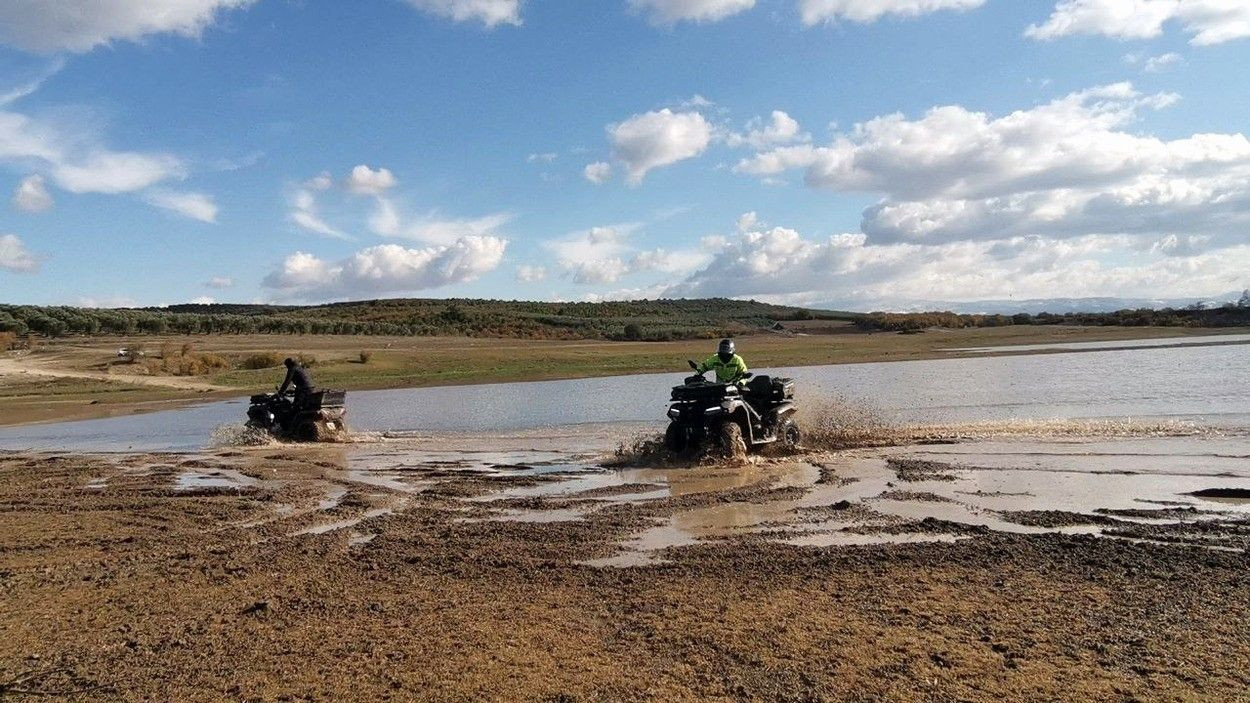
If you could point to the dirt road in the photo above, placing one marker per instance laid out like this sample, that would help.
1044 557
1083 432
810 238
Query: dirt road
25 367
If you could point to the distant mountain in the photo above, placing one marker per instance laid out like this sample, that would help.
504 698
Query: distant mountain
1057 306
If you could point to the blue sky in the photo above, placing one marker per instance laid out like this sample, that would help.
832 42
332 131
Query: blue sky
858 153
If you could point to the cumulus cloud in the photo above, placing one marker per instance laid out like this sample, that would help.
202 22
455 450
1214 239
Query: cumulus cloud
604 255
1207 21
659 138
781 264
598 173
219 282
781 128
15 257
669 12
866 11
387 268
1154 64
1065 168
531 274
489 12
80 25
196 206
366 181
32 195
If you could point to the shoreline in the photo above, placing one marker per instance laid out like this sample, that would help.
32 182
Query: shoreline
172 399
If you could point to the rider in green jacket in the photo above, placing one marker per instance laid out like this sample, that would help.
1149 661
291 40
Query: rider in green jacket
729 367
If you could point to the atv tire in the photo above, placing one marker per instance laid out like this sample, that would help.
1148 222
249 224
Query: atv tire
676 439
791 436
733 447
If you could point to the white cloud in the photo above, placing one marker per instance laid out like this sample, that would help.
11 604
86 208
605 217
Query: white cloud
867 11
113 301
598 173
531 274
1208 21
116 172
545 158
32 195
220 282
655 139
197 206
387 268
203 300
319 182
489 12
1154 64
1065 168
669 12
14 255
305 213
366 181
80 25
432 229
780 264
781 128
603 255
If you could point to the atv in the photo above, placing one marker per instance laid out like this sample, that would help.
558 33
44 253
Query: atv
737 417
314 417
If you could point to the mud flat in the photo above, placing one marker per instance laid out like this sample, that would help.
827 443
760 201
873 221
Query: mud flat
517 567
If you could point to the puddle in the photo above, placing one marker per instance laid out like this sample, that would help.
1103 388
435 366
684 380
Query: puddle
855 539
222 478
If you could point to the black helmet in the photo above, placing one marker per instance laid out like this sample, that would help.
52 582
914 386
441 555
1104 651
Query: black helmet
289 363
726 350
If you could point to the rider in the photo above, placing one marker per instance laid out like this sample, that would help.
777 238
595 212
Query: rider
729 367
296 375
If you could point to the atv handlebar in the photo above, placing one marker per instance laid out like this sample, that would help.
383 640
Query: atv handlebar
692 365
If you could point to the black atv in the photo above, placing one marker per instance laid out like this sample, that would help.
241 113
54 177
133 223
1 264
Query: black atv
737 418
315 417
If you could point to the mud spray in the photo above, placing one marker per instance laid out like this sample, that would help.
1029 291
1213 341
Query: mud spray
840 423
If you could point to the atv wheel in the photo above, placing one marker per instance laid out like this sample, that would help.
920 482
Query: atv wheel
307 432
791 436
676 439
732 445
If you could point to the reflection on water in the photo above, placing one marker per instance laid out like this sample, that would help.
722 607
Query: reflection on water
1139 383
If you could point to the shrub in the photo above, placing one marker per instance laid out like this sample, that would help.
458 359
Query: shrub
307 360
263 360
167 351
8 340
187 348
366 356
633 331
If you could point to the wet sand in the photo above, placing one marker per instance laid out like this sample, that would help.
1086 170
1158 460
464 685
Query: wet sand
518 568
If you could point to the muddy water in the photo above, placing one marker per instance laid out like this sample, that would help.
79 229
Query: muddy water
1142 383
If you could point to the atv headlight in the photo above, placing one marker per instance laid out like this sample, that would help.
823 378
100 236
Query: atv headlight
674 413
713 411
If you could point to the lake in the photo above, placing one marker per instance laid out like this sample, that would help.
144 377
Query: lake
1205 384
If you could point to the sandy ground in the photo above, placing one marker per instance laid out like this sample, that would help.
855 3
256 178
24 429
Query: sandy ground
514 568
27 366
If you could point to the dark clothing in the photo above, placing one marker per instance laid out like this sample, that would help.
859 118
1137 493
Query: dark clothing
297 376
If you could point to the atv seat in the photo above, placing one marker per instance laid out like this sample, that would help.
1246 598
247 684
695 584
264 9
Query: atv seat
770 389
319 400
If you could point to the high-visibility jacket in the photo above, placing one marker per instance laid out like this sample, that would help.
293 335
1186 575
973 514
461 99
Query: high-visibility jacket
730 371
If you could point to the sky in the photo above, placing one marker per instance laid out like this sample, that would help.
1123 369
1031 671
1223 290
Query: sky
858 154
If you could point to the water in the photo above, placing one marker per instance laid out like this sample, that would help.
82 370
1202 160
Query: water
1112 344
1205 384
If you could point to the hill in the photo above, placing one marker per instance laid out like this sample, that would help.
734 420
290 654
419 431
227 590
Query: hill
655 320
